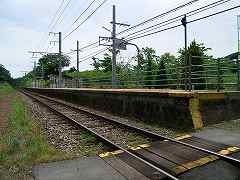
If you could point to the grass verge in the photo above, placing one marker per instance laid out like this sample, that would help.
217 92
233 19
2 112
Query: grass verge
5 89
23 145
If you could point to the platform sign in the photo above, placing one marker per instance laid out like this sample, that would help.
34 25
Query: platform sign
105 39
121 44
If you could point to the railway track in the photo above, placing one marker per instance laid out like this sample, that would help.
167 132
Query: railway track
120 135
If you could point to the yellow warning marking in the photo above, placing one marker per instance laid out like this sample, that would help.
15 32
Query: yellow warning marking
144 145
134 148
105 154
205 160
183 137
195 112
181 94
117 152
211 96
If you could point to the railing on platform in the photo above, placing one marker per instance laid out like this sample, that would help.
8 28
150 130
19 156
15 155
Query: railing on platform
210 74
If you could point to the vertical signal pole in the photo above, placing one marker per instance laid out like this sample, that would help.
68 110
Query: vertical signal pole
60 60
238 57
35 75
78 56
184 23
114 52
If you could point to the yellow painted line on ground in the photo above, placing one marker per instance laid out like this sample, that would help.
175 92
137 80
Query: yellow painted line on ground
183 137
138 147
203 161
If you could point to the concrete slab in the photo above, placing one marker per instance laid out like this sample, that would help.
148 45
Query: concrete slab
220 136
91 168
218 170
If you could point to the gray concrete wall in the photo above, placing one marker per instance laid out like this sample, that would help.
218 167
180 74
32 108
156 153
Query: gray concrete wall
173 109
155 108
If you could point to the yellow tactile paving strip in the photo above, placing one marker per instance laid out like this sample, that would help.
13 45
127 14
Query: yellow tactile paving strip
183 167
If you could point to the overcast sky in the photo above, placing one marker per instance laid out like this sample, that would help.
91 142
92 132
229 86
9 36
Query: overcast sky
25 27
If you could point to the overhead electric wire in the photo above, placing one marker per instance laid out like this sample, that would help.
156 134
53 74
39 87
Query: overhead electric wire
52 20
196 11
214 14
55 15
89 45
83 12
158 16
173 27
170 21
60 15
146 21
64 16
93 54
85 19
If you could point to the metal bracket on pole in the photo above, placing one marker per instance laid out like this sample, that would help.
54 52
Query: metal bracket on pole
108 39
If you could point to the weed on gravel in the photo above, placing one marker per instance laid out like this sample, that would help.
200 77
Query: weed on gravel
22 145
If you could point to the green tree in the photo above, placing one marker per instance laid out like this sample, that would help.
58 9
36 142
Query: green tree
4 74
172 66
196 51
161 78
49 64
148 64
104 64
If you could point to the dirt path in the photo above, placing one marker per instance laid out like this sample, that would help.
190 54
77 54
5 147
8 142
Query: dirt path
5 108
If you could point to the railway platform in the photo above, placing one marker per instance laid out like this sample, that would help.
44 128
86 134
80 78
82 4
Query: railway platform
175 109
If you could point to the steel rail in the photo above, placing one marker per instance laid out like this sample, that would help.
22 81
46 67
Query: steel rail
228 159
142 159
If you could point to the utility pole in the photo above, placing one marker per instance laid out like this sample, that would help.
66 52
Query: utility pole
60 81
119 44
78 56
238 57
60 59
184 23
114 52
33 56
35 75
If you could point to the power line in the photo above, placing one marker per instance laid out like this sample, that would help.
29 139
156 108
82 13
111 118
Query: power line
173 27
142 23
64 16
201 9
85 19
93 54
158 16
83 12
53 18
56 13
175 19
214 14
60 15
